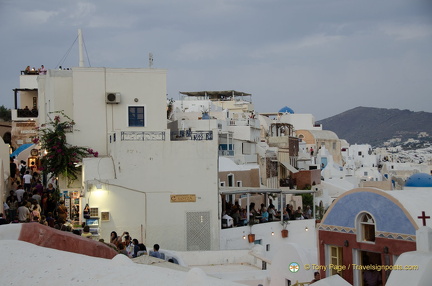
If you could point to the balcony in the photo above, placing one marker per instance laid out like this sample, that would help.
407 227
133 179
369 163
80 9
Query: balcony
142 136
226 153
244 122
24 114
191 135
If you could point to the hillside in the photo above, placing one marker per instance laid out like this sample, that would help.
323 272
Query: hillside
375 126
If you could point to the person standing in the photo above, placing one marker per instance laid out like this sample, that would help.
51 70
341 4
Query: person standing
50 189
42 70
13 169
86 212
12 202
62 212
27 181
19 193
23 212
22 168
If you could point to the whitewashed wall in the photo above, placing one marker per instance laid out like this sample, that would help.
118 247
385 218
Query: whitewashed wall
232 238
151 171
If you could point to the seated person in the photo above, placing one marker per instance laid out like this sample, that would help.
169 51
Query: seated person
122 249
138 248
243 217
236 217
155 252
272 213
86 232
142 249
316 277
264 215
298 214
229 220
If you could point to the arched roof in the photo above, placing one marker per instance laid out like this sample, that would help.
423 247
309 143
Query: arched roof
419 180
286 109
323 134
393 211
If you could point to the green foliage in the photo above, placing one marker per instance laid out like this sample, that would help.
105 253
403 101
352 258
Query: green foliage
284 224
307 200
60 158
5 113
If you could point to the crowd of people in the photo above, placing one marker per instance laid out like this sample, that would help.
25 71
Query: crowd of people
29 200
132 247
235 215
33 70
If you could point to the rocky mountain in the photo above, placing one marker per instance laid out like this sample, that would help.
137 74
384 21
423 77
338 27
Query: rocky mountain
382 127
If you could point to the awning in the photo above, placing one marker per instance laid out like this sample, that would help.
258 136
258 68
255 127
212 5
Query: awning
289 167
235 190
21 149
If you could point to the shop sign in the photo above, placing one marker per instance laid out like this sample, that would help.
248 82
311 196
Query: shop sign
183 198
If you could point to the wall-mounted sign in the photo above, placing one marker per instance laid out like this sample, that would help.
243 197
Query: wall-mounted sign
183 198
105 216
34 152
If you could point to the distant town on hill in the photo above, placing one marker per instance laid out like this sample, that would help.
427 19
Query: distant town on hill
381 127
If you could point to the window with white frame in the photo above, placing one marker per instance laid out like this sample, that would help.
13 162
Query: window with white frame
136 116
365 227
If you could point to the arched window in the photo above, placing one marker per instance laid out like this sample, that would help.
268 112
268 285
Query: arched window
365 227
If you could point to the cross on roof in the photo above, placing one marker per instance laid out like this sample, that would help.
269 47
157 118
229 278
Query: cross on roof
424 217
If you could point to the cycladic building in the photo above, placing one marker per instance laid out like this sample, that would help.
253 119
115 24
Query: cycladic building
159 189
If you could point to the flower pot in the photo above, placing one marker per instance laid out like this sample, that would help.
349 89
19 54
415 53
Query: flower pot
284 232
251 237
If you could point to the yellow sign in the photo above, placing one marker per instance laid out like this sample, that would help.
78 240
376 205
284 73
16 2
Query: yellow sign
183 198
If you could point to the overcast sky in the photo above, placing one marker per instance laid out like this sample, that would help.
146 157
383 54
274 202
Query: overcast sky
319 57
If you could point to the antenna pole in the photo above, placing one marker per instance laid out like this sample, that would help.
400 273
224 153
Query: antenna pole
80 45
150 60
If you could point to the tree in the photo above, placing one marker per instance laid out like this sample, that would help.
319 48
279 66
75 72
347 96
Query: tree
5 113
60 158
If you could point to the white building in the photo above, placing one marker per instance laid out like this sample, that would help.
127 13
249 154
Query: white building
158 189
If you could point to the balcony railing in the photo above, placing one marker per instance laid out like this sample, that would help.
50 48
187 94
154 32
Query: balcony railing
242 122
226 152
142 136
27 113
191 135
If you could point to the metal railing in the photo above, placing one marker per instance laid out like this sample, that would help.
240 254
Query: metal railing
191 135
143 136
226 152
241 122
27 113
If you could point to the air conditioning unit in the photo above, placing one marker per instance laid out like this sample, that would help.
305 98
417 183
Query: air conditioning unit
112 97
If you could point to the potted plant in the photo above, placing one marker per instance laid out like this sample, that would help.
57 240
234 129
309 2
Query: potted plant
319 213
251 236
284 231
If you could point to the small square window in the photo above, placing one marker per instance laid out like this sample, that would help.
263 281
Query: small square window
136 116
